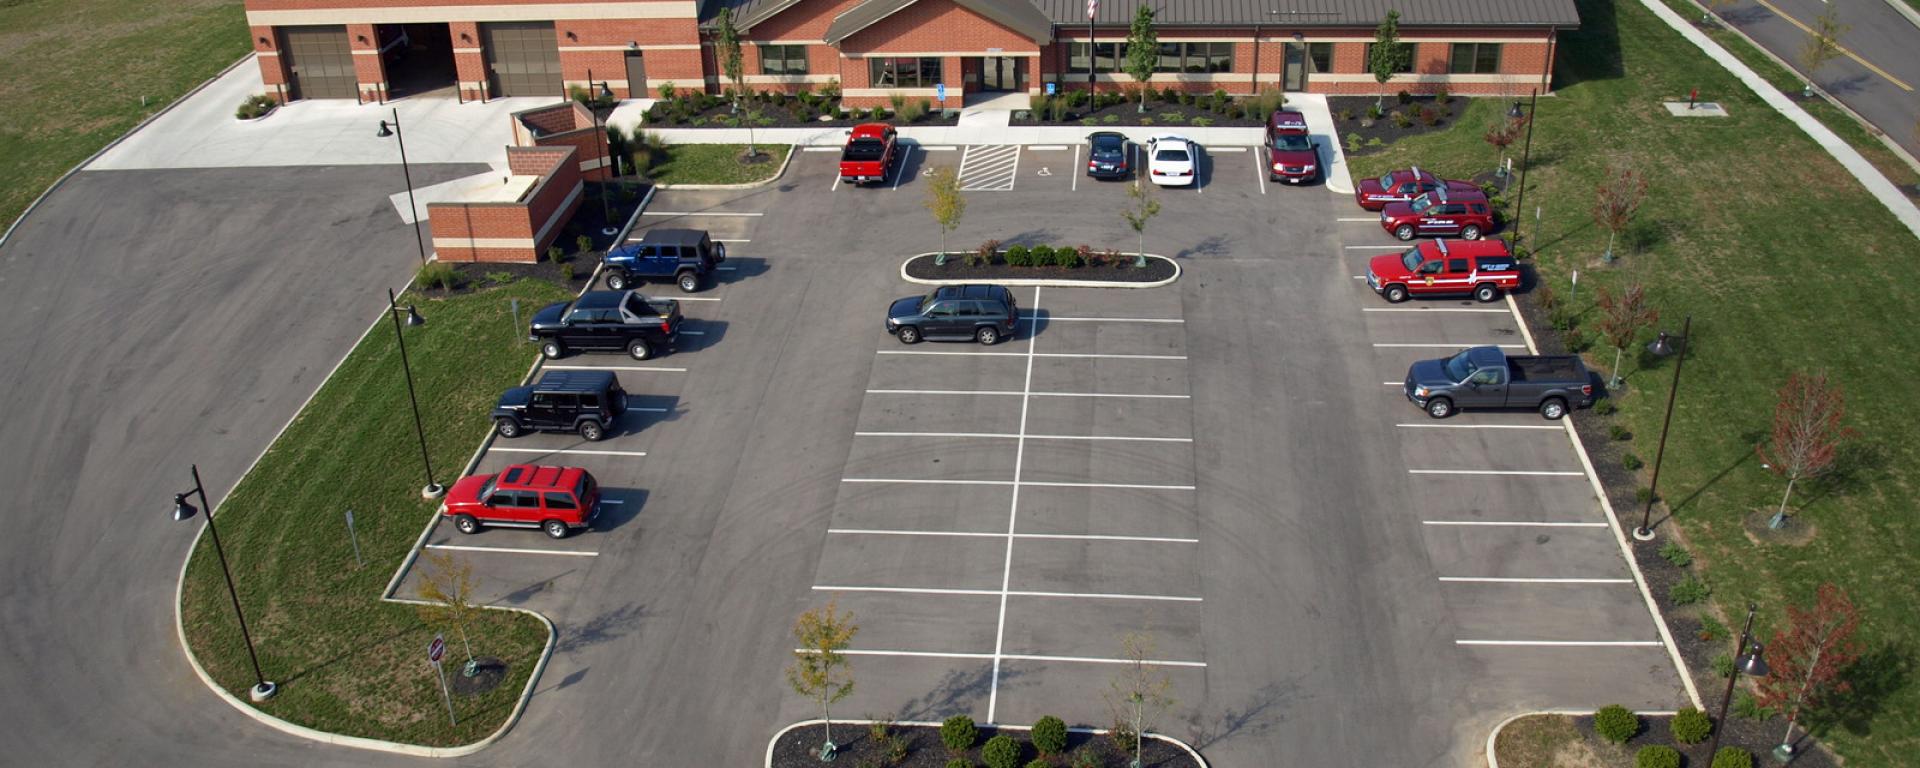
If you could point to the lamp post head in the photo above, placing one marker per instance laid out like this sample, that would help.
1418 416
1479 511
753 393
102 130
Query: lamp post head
181 509
1752 665
385 130
1514 111
1664 346
606 93
413 317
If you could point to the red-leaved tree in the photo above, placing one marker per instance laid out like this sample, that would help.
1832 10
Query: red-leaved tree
1617 198
1807 657
1502 135
1806 433
1622 316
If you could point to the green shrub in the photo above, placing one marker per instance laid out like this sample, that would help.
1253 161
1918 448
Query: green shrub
556 254
1643 496
1616 723
1400 119
583 243
566 272
1121 736
1712 629
832 89
1403 97
1066 256
666 90
1040 256
959 762
1688 591
1732 757
1442 97
1353 143
1745 705
1630 461
1050 733
1577 341
1656 756
1605 407
1001 752
1173 118
1619 432
255 106
1722 665
1373 112
916 110
1110 119
1018 256
1202 122
1346 113
1672 552
1375 142
898 101
1146 121
1084 757
1040 762
438 274
1690 726
501 278
958 733
1089 122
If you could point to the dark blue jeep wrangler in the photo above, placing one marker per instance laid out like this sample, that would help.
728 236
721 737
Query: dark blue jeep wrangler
686 256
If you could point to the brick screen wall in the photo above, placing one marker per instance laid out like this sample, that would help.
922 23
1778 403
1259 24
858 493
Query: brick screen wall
461 231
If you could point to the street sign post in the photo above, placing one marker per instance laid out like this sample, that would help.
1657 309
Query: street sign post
436 650
940 93
357 562
1051 87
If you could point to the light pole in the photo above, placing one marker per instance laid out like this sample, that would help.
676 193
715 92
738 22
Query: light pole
1526 152
413 211
1664 346
433 490
1751 665
606 148
263 688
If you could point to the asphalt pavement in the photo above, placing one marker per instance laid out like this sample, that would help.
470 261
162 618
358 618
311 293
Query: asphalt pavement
1879 77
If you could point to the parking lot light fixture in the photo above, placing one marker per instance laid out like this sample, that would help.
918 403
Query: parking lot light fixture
263 688
1526 154
1664 346
1750 664
413 210
432 490
606 157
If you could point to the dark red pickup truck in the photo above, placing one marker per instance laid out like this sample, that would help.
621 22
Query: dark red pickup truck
868 154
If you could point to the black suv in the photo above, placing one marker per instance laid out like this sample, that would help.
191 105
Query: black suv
983 313
563 401
607 321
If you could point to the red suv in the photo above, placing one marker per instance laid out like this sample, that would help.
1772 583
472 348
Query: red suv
1465 213
553 499
1292 156
1482 268
1401 186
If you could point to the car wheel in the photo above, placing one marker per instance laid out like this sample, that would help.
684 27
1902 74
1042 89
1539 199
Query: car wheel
987 335
617 280
1404 232
553 350
689 282
1471 232
555 529
591 431
1553 408
909 334
1396 293
1439 407
466 524
1486 292
640 350
507 428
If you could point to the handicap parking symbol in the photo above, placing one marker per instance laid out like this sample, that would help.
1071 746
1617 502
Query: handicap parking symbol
1045 172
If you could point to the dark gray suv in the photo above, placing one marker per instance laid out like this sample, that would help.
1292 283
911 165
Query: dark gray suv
983 313
587 402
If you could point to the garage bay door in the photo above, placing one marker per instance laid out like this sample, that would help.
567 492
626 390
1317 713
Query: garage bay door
321 62
523 58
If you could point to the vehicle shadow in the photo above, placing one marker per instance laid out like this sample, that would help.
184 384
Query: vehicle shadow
697 335
913 158
612 516
522 595
741 267
645 410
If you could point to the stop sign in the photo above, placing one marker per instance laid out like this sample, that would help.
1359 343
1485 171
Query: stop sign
437 649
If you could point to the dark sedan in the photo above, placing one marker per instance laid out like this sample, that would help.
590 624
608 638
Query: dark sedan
1109 155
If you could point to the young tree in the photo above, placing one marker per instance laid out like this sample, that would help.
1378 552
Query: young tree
1141 208
946 204
1617 199
726 47
1806 433
1822 44
819 671
1387 56
447 585
1138 692
1502 135
1143 50
1622 316
1806 659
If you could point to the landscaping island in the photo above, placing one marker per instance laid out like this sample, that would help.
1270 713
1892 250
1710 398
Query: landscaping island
883 743
1063 264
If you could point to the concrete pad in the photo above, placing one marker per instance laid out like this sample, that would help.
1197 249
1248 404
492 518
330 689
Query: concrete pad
1043 626
914 562
1333 156
944 372
1494 449
1696 109
1128 463
1568 612
931 458
1580 678
1108 512
1526 553
939 413
943 624
1107 337
1110 376
1106 567
893 506
1110 417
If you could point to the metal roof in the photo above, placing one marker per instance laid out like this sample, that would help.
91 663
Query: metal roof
1018 15
1322 13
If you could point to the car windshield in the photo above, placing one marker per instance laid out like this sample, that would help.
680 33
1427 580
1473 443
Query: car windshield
1459 367
1171 155
1410 259
1421 203
1292 142
1386 182
487 490
865 149
1106 149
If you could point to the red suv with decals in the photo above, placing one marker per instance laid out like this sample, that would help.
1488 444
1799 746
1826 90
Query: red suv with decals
1401 186
1465 213
1482 268
1292 155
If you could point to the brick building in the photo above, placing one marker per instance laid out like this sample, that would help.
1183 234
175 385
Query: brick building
479 49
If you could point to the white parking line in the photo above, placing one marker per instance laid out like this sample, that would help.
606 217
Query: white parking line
1011 593
1011 436
726 269
1358 218
1226 149
660 368
1513 523
1010 393
1512 472
696 298
1447 346
722 240
1014 656
924 481
1566 643
1047 147
991 535
949 354
1375 247
1260 171
702 213
693 333
512 551
1136 487
1109 357
1023 354
1075 170
580 451
647 410
1499 580
1476 426
1427 309
820 149
1031 316
902 171
939 148
1111 394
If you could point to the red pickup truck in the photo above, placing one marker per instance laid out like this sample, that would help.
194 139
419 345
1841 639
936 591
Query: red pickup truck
1482 268
553 499
868 154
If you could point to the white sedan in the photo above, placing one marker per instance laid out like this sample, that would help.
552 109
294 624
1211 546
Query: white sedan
1172 161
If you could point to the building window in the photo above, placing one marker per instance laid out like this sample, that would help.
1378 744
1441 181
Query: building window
1475 59
1172 57
1107 57
783 59
904 72
1319 58
1406 62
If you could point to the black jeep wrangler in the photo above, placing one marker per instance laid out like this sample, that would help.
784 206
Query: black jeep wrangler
586 402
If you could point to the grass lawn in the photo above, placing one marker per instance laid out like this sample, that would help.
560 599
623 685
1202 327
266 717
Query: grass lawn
1537 741
714 164
346 661
1785 263
61 100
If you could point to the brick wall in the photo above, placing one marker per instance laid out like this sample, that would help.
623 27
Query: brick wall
475 231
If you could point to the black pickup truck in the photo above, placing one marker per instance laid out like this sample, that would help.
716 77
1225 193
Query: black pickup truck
610 321
1486 377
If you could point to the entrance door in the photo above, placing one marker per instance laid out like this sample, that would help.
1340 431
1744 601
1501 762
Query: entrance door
1000 73
636 75
1296 75
321 62
523 58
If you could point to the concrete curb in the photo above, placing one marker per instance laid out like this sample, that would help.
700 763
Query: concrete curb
1493 760
1905 10
57 183
1619 532
791 151
1017 283
1850 159
1191 752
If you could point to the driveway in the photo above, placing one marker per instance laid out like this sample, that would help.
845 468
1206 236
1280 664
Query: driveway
1877 81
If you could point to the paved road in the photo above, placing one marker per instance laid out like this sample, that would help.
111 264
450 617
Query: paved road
1879 36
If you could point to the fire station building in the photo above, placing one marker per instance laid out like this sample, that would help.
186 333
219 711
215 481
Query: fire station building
378 50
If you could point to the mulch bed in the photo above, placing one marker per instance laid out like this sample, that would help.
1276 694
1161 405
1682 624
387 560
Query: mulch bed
1127 113
782 111
1683 621
488 673
1350 118
922 267
857 747
589 220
